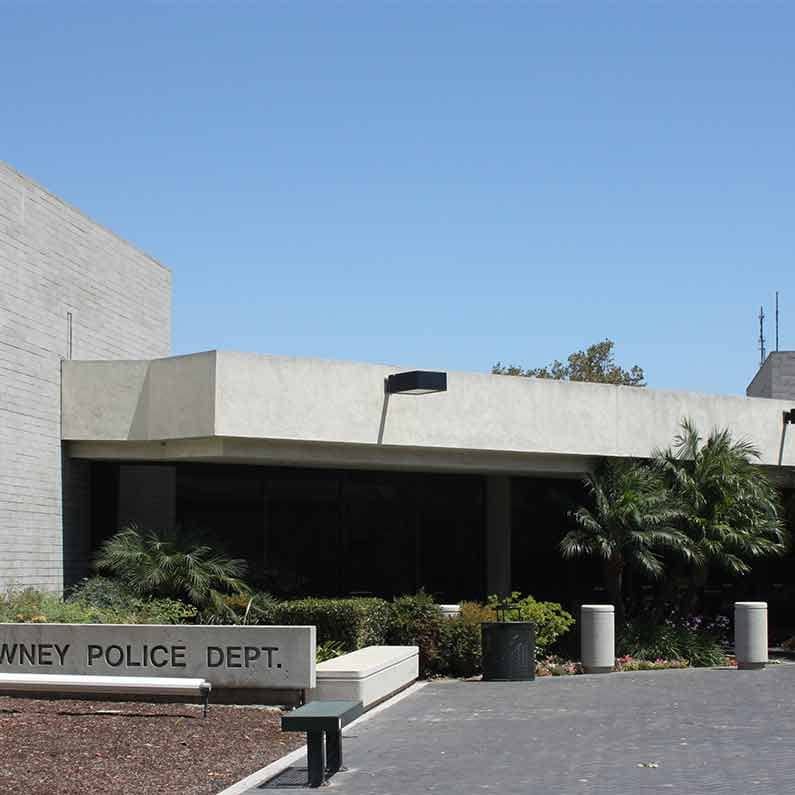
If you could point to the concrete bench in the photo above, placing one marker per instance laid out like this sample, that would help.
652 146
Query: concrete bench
369 675
322 721
111 685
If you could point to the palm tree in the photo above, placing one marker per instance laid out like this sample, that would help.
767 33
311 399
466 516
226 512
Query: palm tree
172 563
732 512
630 520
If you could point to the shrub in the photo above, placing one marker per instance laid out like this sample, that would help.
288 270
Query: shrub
242 608
38 607
353 623
92 602
646 640
417 621
460 640
328 651
172 563
550 619
107 593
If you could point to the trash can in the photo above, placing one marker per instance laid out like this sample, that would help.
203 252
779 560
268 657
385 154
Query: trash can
750 634
509 651
597 638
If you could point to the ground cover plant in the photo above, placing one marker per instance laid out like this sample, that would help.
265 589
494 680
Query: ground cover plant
693 640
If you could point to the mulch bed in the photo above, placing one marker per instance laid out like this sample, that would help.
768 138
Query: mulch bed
67 747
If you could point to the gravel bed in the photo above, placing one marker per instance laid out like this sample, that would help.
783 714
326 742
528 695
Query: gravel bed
64 746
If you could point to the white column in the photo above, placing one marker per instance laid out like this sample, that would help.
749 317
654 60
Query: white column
598 638
750 634
498 535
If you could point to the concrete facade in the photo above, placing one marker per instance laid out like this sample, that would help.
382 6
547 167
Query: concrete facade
56 262
776 377
272 409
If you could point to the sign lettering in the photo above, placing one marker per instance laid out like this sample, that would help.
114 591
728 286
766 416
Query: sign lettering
265 657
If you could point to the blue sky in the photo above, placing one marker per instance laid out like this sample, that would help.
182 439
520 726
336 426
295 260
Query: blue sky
432 184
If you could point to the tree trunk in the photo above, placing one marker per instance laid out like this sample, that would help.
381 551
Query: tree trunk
614 574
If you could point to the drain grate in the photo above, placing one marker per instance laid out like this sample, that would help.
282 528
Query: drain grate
291 777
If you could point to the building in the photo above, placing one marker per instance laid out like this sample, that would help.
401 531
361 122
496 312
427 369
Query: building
309 468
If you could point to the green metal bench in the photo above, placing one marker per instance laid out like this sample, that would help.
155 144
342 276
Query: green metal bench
322 721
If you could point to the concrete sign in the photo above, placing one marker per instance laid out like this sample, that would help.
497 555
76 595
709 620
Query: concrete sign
226 656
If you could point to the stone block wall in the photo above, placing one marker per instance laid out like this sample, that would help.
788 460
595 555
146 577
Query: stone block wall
55 261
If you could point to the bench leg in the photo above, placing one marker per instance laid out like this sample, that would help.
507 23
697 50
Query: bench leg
316 757
333 751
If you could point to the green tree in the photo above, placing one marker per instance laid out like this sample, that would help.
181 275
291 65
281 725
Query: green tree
731 510
172 563
630 520
596 364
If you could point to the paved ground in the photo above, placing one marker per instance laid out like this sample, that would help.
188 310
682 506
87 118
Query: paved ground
709 731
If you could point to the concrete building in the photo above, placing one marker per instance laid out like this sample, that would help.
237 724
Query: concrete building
308 468
776 377
68 289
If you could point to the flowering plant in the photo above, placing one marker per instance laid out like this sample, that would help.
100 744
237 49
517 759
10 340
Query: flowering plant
629 663
552 665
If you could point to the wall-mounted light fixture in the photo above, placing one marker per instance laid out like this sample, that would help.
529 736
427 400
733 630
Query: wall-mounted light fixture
415 382
789 417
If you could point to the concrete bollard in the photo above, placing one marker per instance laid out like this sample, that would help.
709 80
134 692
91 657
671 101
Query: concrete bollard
750 634
598 638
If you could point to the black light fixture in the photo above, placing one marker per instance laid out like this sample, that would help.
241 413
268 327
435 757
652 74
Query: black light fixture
789 417
416 382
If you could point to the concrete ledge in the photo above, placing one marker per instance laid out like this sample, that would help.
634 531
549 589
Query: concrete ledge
369 675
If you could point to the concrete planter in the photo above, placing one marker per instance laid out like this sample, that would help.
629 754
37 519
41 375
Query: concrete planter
750 634
598 638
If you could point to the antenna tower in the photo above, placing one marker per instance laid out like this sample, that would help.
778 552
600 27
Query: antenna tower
761 335
776 320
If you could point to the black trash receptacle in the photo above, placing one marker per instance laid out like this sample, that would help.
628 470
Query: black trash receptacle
509 651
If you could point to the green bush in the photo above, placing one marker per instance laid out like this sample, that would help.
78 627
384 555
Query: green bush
172 564
353 623
106 593
644 639
242 608
550 619
328 651
40 607
94 601
460 640
417 621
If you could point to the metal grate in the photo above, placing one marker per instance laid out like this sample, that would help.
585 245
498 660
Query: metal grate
289 778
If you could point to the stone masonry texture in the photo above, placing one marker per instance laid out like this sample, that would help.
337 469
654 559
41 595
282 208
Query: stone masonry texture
54 261
693 732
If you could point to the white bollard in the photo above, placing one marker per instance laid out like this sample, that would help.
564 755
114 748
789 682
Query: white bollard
450 611
750 634
598 638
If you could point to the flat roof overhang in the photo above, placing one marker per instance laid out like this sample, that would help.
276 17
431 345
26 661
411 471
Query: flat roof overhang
247 408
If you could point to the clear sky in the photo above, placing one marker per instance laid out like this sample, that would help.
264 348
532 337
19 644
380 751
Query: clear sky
432 184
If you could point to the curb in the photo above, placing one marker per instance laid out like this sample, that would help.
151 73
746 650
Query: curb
274 768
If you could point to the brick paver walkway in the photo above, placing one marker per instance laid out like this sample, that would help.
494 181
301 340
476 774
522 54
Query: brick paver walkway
708 731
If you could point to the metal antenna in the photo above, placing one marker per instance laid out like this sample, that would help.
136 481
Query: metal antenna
761 335
776 320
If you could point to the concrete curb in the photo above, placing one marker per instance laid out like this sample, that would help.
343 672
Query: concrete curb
274 768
